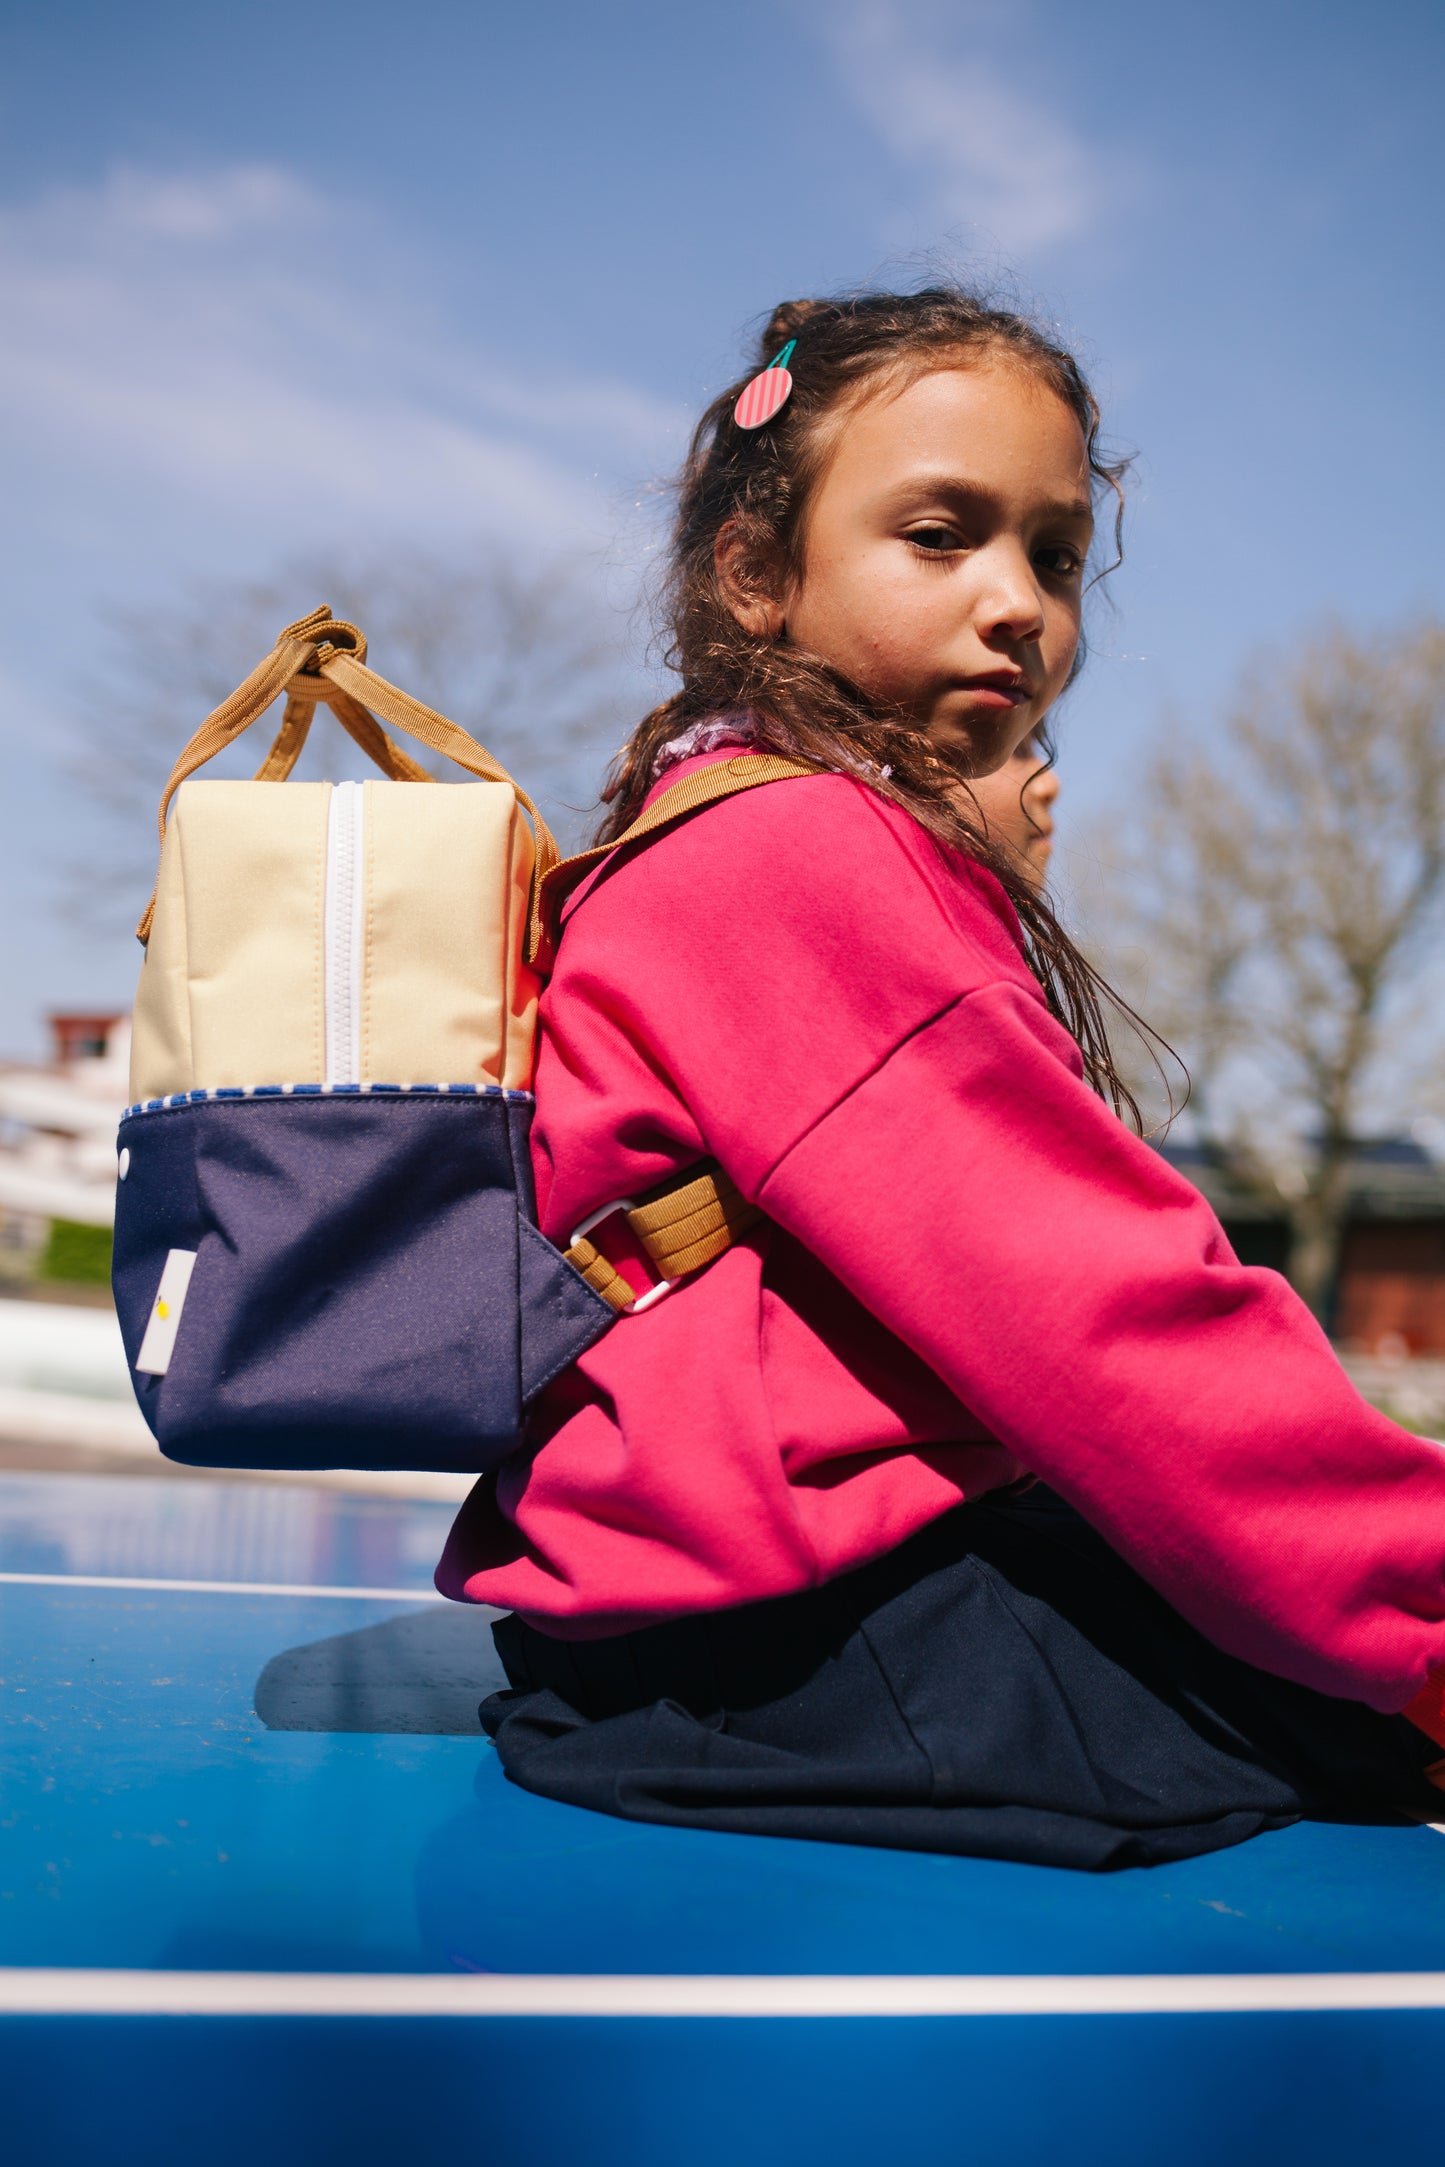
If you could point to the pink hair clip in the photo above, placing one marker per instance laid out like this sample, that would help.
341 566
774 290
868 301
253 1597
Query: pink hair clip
767 393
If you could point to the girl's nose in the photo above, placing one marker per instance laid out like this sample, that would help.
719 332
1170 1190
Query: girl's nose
1009 605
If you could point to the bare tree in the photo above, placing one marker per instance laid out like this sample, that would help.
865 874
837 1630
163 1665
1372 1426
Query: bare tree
1273 906
524 656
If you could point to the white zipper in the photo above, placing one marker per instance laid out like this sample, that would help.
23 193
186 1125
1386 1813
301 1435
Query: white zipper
342 935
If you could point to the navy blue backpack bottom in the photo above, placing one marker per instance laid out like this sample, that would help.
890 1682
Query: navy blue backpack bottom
1001 1686
369 1288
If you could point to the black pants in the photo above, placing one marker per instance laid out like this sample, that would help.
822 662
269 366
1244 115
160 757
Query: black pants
1001 1685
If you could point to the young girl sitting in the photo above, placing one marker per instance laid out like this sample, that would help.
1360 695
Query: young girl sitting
975 1499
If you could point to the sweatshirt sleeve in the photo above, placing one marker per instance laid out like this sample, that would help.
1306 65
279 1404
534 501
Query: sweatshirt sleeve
1081 1297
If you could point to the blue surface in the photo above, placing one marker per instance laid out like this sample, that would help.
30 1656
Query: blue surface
1277 2091
152 1820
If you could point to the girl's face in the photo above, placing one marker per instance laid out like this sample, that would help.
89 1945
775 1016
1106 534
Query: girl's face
1017 803
943 556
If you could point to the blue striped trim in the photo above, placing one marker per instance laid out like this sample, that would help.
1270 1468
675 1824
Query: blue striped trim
318 1091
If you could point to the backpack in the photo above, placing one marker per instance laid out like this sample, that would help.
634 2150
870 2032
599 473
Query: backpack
326 1250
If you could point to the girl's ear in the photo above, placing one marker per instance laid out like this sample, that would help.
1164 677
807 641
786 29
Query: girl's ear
750 592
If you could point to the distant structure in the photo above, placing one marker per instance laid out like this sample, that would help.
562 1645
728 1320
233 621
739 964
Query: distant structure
1389 1297
57 1137
87 1037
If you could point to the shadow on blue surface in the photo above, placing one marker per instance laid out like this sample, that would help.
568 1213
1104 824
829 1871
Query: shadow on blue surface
520 1884
424 1672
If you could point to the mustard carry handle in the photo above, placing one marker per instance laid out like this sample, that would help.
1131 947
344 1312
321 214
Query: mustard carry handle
321 660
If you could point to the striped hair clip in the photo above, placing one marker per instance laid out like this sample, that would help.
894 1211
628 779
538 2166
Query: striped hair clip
767 393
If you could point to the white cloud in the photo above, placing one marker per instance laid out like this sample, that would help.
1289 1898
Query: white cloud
206 375
990 156
240 199
233 346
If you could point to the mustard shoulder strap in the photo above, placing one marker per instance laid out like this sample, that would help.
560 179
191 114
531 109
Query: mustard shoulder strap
722 779
692 1219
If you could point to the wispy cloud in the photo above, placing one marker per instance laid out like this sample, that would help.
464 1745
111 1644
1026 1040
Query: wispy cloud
207 375
234 343
940 92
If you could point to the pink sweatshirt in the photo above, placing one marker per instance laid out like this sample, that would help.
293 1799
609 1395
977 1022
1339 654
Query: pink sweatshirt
970 1268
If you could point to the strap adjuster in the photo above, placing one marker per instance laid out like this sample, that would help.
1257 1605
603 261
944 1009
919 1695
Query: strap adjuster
680 1226
596 1264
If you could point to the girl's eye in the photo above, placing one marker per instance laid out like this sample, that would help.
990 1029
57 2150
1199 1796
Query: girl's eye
1063 562
937 541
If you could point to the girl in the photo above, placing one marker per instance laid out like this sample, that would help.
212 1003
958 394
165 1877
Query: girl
977 1500
1016 803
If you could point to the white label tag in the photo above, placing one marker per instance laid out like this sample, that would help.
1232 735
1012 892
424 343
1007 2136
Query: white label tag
159 1343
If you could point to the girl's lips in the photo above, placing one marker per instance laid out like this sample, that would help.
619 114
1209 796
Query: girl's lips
992 693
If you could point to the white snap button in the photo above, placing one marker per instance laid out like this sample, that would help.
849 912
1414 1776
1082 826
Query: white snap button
123 1163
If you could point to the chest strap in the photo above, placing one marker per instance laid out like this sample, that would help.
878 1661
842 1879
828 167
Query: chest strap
680 1225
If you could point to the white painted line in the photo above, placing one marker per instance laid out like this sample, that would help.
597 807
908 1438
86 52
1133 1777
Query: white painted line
217 1587
301 1994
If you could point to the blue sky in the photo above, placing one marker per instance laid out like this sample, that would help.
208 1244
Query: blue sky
276 277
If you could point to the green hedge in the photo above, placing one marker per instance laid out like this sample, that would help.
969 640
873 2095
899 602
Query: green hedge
79 1255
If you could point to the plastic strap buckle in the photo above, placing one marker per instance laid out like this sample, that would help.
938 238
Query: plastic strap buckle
654 1295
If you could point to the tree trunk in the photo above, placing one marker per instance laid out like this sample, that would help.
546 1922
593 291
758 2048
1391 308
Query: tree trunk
1316 1228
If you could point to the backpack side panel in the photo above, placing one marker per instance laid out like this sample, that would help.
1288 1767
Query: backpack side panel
160 1047
446 992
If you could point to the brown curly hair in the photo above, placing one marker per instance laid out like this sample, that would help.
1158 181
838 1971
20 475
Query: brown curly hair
759 481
